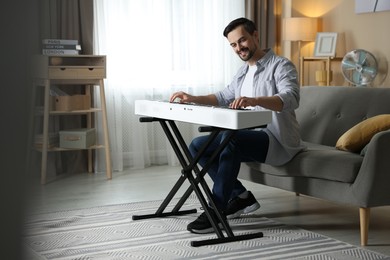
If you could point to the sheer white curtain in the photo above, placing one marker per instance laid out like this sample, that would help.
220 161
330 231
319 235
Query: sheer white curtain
153 48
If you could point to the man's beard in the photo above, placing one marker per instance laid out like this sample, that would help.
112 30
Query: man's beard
250 54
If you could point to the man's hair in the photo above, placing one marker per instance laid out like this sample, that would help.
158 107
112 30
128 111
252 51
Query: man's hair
249 26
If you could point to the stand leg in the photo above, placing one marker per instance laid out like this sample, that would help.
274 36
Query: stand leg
176 187
192 166
189 166
160 211
226 239
164 214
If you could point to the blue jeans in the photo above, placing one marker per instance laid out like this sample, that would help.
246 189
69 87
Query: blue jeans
245 146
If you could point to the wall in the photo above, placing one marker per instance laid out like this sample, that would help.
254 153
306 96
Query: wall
368 31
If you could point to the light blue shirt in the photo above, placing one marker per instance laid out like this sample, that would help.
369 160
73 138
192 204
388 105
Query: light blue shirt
275 76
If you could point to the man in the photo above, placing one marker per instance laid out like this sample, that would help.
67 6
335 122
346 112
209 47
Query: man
264 81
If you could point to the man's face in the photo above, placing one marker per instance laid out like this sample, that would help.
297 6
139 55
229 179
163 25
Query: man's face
243 43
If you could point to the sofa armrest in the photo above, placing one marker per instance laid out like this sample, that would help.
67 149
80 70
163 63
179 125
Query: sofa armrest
373 181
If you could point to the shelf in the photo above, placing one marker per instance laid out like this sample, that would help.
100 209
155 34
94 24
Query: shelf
70 67
76 67
327 67
59 149
84 71
322 58
39 112
75 112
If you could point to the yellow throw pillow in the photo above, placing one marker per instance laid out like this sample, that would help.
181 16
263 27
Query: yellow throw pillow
360 135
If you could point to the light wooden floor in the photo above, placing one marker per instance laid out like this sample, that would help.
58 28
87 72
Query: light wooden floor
88 190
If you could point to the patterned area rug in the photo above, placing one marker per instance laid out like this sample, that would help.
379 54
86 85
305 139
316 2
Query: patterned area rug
108 232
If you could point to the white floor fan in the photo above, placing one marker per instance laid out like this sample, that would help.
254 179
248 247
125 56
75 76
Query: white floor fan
360 68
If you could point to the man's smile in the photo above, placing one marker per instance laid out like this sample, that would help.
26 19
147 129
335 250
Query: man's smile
243 52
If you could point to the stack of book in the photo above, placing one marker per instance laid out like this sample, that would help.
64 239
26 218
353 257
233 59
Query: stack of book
60 47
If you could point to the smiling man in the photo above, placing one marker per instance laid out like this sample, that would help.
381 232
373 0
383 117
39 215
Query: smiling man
264 81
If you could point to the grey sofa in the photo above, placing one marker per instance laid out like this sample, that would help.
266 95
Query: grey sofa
322 171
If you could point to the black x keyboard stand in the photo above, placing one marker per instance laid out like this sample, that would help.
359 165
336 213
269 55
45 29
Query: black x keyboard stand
195 176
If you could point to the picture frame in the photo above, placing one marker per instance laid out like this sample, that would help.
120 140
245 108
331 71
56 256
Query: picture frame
325 44
371 6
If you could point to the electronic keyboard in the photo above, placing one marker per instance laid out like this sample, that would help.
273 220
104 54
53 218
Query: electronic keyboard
222 117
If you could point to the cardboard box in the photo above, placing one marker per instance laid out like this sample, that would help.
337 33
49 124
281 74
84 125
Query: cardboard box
81 138
52 140
70 103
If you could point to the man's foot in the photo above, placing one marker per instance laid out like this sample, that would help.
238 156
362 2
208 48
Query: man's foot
238 206
202 225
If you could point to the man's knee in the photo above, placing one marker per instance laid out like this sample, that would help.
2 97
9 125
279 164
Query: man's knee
195 144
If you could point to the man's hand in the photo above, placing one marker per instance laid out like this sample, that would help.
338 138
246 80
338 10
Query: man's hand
182 96
273 103
242 102
187 98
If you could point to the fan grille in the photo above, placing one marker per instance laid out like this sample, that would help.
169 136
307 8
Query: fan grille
359 67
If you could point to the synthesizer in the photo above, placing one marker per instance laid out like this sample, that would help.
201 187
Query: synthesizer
203 115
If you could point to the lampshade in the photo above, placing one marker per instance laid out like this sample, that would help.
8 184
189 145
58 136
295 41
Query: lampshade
300 28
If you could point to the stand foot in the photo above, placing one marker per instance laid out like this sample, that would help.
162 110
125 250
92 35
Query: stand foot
161 215
225 239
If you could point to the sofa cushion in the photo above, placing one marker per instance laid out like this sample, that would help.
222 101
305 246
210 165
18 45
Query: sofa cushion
325 114
317 161
360 135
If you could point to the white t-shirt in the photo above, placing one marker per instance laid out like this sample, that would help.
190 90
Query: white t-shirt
247 85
